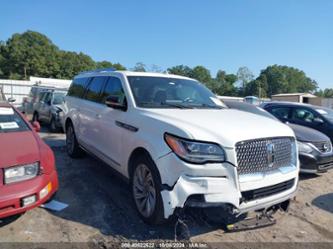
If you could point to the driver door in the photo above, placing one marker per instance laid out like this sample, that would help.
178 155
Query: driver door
110 135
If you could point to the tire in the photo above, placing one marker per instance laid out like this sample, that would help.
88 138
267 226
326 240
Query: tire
146 191
53 126
8 220
35 117
72 146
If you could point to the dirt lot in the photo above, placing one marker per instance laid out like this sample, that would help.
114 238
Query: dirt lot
100 210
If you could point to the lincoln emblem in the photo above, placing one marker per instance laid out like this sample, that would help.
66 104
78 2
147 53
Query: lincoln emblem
270 154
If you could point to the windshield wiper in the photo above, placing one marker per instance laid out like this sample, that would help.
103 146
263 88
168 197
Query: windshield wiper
159 105
180 106
211 106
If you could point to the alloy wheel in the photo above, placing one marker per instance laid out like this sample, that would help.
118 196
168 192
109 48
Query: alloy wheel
144 190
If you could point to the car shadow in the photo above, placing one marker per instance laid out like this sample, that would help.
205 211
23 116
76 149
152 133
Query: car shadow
307 176
99 198
9 220
324 202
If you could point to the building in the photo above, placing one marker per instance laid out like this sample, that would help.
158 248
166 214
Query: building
294 97
307 98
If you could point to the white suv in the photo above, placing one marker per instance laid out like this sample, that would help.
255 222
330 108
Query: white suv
178 144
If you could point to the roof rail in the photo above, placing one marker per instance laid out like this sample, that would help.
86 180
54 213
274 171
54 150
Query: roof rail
99 70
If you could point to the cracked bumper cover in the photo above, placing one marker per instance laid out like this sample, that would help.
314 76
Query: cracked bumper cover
219 185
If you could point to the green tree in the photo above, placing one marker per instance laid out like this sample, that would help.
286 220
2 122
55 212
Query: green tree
119 67
30 53
2 59
244 76
104 64
326 93
72 63
140 67
108 64
201 74
283 79
223 84
180 70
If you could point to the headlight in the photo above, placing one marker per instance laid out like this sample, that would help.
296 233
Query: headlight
304 147
21 173
195 152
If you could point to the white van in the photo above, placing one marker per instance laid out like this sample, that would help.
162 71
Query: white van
178 144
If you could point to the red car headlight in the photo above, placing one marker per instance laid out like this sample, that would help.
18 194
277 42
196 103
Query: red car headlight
21 173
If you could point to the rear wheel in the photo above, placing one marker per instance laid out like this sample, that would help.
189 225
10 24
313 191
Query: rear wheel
146 191
72 146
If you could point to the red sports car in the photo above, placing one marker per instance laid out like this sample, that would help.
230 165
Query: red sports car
28 176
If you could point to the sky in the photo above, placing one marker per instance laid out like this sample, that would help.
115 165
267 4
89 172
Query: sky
217 34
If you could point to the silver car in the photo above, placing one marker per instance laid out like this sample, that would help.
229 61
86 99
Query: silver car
49 108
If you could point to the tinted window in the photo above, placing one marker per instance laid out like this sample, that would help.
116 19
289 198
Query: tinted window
327 113
58 98
77 87
304 115
280 112
41 96
112 87
94 89
47 98
11 121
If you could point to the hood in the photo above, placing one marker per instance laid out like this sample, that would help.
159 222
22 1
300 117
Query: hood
18 148
224 126
306 134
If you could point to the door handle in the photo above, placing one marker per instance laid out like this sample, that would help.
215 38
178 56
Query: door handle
98 116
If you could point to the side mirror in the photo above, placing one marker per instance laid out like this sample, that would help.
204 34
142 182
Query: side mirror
36 126
11 100
318 121
116 102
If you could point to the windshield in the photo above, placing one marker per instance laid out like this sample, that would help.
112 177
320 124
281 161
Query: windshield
10 121
58 98
327 113
162 92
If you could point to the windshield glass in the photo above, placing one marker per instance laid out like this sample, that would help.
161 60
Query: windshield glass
58 98
327 113
10 121
162 92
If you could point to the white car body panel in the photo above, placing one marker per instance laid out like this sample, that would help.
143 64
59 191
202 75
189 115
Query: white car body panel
97 131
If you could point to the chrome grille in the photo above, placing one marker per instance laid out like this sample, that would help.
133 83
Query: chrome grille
324 146
253 156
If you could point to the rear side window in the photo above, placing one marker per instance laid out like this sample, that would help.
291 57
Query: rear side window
280 112
94 89
47 98
77 87
113 87
11 121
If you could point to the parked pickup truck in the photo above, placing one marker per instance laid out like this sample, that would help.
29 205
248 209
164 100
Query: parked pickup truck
178 144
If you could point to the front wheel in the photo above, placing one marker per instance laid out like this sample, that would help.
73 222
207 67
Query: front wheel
72 145
146 191
35 117
53 125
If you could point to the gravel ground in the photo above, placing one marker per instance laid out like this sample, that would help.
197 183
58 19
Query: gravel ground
100 210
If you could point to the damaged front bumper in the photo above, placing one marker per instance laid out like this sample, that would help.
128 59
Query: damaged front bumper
226 189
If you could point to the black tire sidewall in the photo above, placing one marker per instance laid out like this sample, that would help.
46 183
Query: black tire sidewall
158 215
77 151
53 126
35 117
